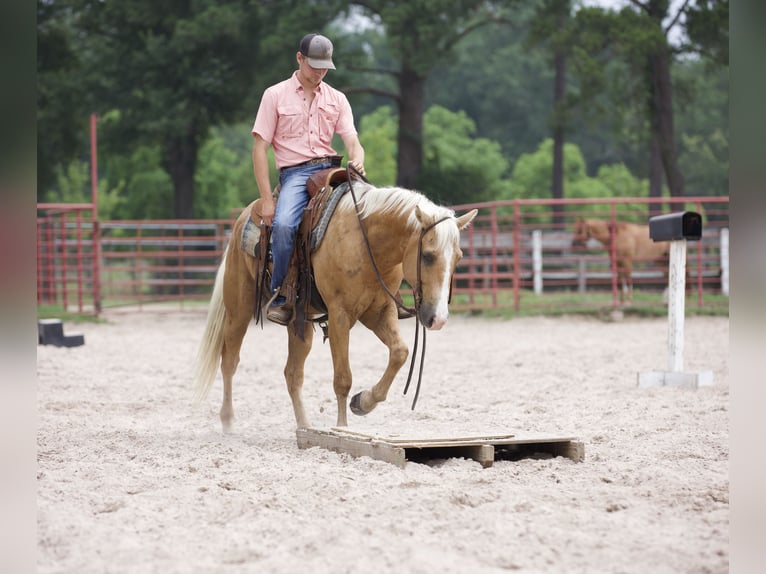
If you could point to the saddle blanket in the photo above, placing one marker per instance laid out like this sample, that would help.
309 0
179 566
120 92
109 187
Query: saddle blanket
251 231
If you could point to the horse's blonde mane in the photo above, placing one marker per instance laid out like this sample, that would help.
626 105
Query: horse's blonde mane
400 201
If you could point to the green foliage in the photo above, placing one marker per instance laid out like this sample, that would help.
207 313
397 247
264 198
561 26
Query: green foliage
378 136
531 177
422 32
191 74
702 122
620 182
74 186
705 159
499 82
221 177
143 183
707 26
62 96
458 166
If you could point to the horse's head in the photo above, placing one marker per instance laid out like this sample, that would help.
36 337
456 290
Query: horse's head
581 233
430 258
598 229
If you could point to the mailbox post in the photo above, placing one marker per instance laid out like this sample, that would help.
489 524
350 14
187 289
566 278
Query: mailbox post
677 228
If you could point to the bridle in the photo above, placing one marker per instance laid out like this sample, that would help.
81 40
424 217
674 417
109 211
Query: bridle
417 290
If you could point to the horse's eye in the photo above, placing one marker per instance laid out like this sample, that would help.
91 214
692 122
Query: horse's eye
429 258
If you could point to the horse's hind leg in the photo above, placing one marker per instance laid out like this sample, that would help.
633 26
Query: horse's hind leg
234 331
296 359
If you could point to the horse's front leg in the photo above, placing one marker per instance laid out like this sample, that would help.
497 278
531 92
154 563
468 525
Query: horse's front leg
624 282
387 331
296 359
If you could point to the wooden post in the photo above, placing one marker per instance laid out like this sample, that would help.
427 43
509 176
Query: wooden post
725 261
676 305
537 261
675 375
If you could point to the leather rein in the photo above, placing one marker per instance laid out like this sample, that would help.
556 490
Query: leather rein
417 291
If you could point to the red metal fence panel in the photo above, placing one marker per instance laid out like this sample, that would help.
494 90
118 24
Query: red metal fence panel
160 261
67 257
517 257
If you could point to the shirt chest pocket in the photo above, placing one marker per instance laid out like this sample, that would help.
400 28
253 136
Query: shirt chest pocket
328 119
292 122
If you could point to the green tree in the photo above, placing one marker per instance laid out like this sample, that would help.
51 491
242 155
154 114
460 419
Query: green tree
707 28
639 33
73 186
143 182
553 26
702 113
458 166
174 70
217 180
420 34
531 179
63 104
378 136
531 174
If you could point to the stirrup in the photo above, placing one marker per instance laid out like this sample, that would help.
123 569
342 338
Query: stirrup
272 299
280 315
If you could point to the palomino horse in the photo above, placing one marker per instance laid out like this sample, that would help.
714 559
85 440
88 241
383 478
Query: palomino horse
408 236
631 243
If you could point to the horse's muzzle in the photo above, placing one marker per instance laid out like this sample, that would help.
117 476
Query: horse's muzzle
429 317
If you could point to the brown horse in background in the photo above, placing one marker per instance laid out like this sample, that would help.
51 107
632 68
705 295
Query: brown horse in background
409 237
631 243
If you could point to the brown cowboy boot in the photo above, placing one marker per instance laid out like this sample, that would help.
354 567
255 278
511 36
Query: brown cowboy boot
279 312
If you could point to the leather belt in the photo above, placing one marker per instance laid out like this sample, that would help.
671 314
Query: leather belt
334 160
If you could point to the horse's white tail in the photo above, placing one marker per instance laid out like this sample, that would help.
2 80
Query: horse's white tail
209 351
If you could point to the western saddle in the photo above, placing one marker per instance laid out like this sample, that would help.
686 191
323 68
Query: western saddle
298 287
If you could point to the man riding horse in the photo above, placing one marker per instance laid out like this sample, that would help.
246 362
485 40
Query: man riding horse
298 118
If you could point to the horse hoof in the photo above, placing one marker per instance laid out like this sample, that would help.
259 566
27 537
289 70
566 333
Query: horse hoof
356 405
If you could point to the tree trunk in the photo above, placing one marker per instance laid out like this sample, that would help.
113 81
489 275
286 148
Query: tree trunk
181 162
662 119
661 100
559 90
410 137
656 173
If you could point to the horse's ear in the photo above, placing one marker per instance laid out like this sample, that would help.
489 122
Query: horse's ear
419 215
465 219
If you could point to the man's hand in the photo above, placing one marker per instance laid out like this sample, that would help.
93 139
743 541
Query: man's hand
357 165
267 211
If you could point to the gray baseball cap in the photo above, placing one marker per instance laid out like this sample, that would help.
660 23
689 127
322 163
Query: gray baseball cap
318 51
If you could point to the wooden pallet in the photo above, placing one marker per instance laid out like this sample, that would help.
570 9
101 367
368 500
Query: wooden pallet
398 450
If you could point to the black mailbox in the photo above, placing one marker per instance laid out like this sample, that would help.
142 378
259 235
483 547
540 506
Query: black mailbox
672 226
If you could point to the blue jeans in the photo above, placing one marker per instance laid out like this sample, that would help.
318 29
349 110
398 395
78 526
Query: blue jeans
293 198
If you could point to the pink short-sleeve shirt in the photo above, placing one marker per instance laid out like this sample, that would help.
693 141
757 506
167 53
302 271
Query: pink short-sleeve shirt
296 132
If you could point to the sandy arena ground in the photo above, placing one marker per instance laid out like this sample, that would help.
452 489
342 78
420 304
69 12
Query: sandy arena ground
133 478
